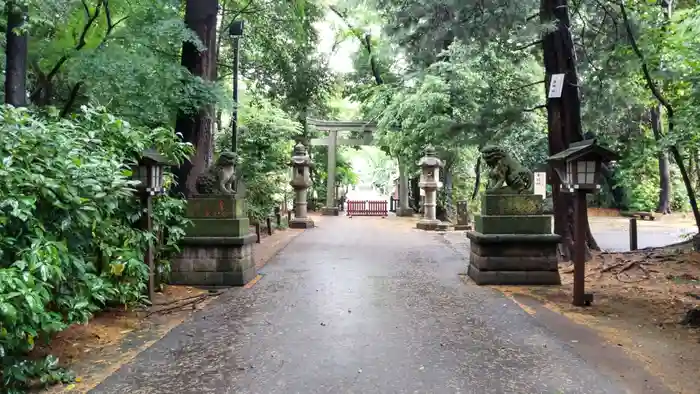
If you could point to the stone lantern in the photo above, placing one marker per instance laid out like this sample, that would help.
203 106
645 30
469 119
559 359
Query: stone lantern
429 182
301 180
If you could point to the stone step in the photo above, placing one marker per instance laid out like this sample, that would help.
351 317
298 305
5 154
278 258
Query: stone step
513 278
544 262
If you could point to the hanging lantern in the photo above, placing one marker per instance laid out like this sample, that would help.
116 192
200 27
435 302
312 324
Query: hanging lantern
150 171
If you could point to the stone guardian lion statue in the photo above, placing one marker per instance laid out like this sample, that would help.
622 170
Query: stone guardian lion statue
219 178
504 172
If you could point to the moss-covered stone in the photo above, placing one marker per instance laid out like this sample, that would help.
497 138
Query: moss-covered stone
209 207
511 204
219 228
513 224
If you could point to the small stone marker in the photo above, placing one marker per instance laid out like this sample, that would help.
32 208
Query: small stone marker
540 183
463 222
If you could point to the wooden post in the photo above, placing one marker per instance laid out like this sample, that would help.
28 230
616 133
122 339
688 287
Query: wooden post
289 216
268 222
579 259
633 234
257 231
147 225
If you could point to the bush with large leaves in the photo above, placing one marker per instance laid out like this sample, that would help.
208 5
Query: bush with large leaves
68 243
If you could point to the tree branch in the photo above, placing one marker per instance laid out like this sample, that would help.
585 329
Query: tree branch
238 13
533 109
525 86
91 18
532 44
366 41
110 27
71 99
645 69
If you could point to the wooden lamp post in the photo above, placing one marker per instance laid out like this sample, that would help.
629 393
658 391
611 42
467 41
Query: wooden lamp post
578 169
149 176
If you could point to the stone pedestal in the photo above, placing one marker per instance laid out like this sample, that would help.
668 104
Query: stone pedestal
428 225
445 226
407 212
218 247
513 242
301 223
429 220
329 211
215 261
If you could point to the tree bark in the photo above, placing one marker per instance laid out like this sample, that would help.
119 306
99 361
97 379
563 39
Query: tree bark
664 205
200 16
563 114
16 51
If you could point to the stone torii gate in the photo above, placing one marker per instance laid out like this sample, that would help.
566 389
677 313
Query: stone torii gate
332 142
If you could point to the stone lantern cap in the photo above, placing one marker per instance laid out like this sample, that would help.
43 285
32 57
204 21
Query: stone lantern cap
300 157
430 160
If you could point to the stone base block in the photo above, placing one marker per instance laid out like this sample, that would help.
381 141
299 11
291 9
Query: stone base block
218 227
216 206
329 211
445 226
428 225
214 261
408 212
513 259
513 278
546 262
463 227
511 204
301 223
513 224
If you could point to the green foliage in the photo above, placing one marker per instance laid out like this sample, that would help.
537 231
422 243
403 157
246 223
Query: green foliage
265 146
68 244
461 79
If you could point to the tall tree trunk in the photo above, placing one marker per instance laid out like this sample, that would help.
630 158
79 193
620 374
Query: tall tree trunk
200 16
415 193
16 50
563 114
664 205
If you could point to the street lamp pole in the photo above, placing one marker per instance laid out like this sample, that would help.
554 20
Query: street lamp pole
236 32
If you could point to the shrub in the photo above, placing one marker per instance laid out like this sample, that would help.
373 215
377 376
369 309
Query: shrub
68 244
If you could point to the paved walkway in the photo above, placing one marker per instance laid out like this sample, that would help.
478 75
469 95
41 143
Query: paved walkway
361 305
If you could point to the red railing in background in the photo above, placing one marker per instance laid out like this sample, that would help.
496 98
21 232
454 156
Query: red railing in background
368 208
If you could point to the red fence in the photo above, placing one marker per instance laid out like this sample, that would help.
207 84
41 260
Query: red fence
367 208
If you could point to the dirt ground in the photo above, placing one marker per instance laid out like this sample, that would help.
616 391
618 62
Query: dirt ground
112 338
641 298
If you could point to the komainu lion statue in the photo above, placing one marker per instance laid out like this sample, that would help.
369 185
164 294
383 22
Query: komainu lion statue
220 177
504 171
